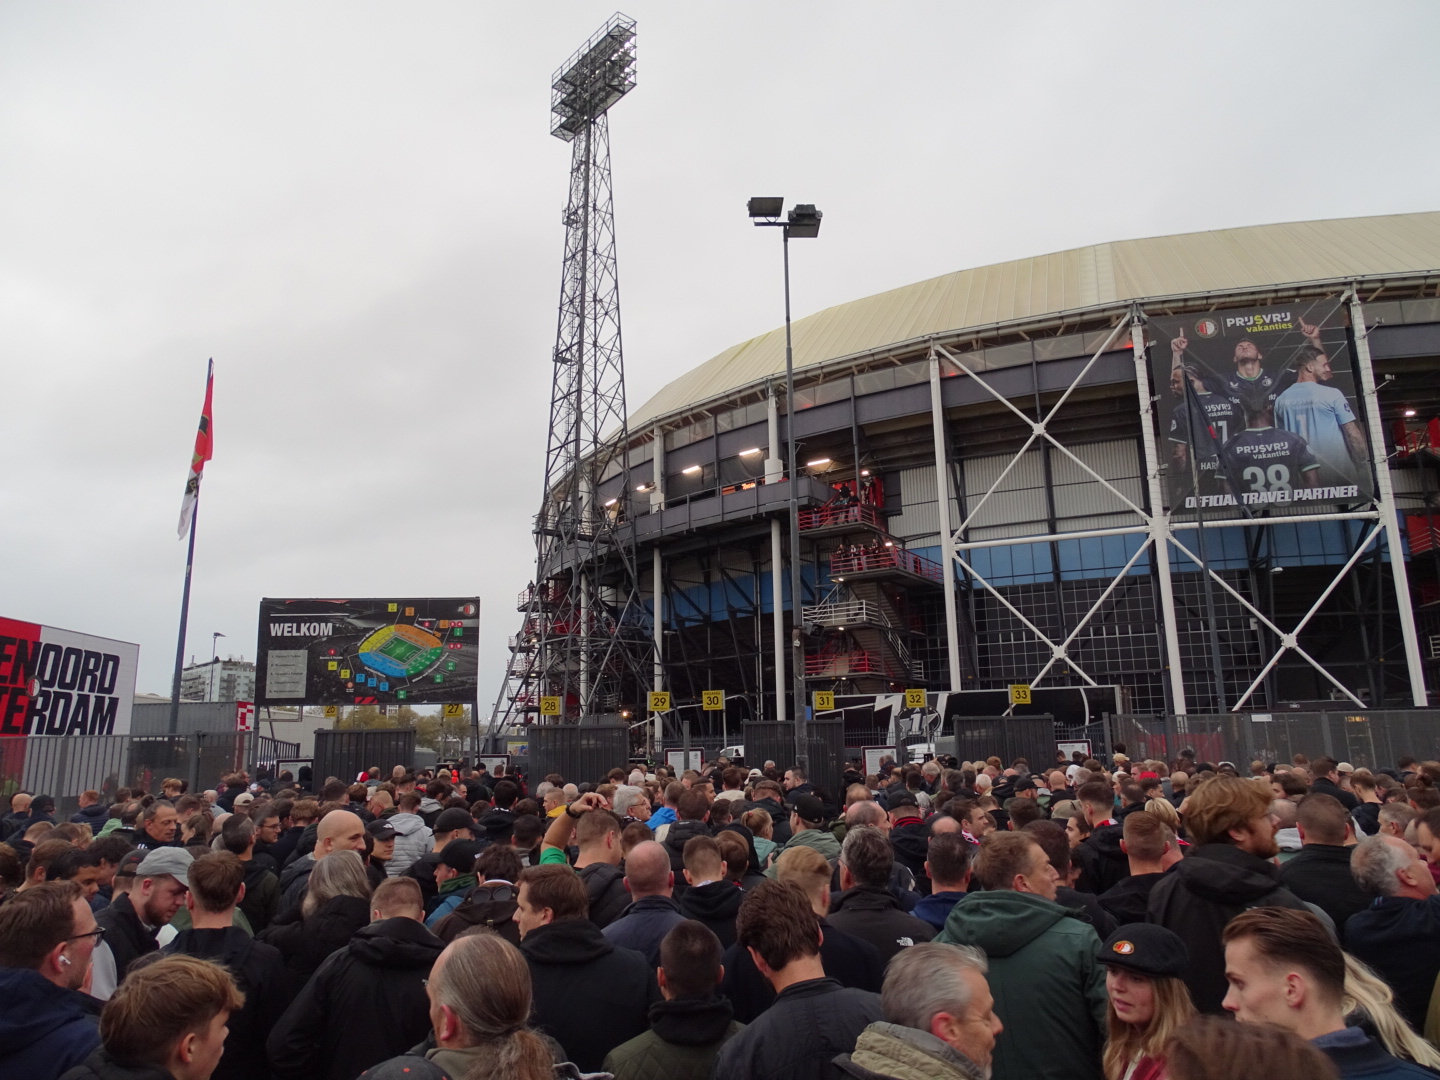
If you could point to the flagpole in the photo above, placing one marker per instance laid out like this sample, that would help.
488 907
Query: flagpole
184 620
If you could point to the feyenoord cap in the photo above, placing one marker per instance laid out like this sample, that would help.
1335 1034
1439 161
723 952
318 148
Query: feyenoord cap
1146 949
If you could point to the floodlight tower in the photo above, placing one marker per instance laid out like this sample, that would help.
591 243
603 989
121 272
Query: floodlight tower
582 641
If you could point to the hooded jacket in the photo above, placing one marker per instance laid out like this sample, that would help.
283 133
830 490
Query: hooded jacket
490 904
801 1034
44 1029
306 942
1102 864
684 1038
910 838
643 925
1399 937
366 1003
1203 892
572 968
259 970
851 961
1049 989
498 824
873 914
95 816
262 894
413 839
605 889
1128 900
935 908
891 1052
294 880
821 841
715 904
127 937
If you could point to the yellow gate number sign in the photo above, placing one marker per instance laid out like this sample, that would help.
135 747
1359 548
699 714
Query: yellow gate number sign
712 700
331 712
550 706
449 711
915 699
1020 693
824 700
660 701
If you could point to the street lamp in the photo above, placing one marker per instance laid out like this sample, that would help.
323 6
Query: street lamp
802 223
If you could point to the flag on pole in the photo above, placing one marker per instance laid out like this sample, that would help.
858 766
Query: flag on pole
204 447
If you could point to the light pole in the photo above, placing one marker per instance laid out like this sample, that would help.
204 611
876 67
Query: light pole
803 223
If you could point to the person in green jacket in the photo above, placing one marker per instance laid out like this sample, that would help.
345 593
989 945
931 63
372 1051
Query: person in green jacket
688 1028
1049 988
805 821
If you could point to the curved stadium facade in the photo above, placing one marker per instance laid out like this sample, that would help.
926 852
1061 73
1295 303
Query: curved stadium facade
1075 543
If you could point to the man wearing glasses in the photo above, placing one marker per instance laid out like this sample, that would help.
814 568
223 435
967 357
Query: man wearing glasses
47 1022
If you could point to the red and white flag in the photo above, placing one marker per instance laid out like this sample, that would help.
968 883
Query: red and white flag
204 448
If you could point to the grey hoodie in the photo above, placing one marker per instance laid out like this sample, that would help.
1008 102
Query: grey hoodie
413 839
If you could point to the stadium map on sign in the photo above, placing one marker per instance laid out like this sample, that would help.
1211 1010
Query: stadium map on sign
368 652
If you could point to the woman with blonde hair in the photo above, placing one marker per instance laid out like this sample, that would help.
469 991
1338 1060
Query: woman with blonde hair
1149 1002
1165 810
336 904
1370 1003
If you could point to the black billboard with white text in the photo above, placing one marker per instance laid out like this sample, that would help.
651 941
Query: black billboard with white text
368 652
1257 408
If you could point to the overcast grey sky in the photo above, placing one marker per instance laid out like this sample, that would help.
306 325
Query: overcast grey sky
355 209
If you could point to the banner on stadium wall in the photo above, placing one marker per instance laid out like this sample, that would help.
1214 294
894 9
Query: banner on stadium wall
368 652
58 682
1257 408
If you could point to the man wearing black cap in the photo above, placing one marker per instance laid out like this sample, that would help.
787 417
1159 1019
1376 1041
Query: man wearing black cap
806 817
382 848
454 877
910 836
452 824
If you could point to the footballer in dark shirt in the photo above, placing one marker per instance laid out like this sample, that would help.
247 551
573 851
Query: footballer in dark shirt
1268 463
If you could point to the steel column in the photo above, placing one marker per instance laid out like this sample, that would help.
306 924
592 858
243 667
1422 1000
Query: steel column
947 526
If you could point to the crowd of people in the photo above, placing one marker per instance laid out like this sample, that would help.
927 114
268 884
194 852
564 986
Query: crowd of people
1086 919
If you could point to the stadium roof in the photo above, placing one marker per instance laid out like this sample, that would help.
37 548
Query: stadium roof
1222 260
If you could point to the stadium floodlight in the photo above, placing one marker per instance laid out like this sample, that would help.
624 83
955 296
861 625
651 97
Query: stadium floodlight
601 72
1409 412
766 206
804 222
751 452
691 471
818 463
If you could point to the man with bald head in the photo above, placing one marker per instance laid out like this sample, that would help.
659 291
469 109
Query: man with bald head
652 911
339 830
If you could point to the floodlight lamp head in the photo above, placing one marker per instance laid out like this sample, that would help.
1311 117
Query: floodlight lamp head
766 206
804 222
599 74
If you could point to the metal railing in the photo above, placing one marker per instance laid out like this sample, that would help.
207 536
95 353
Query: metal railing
846 613
828 516
870 560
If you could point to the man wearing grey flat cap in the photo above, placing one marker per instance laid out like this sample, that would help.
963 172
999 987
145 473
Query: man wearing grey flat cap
131 923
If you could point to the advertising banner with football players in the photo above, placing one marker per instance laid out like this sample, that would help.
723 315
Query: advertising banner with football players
1257 409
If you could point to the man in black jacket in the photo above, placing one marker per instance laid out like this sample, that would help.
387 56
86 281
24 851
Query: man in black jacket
367 1001
573 967
158 825
597 832
1151 849
132 921
1227 872
814 1019
909 836
867 908
216 886
1102 864
691 809
1320 873
1327 782
711 899
653 911
768 797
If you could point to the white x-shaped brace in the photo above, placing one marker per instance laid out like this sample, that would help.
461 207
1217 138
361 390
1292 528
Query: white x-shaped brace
1039 429
1290 640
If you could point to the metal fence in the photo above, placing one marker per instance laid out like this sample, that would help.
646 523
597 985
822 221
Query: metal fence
768 740
63 766
346 754
581 753
1371 739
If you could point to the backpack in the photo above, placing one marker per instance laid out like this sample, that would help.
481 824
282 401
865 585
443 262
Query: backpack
490 905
